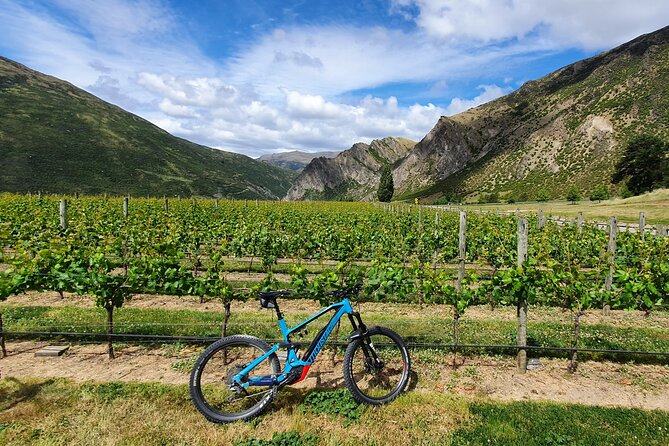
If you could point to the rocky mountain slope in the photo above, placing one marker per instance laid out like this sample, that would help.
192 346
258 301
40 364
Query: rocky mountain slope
57 138
352 175
294 160
565 129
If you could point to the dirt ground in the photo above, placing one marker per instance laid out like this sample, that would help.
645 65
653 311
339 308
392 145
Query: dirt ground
595 383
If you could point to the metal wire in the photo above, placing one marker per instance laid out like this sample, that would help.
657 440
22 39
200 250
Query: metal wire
451 346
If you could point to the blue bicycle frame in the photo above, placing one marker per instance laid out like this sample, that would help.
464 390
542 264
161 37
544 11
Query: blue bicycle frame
293 362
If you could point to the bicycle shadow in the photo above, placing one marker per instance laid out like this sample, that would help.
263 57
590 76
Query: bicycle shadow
23 393
290 399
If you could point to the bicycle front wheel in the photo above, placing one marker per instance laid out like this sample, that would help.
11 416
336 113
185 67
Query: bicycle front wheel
212 388
376 368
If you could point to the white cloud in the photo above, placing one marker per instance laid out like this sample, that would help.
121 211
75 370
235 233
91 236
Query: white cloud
202 92
312 106
120 18
177 111
589 24
284 89
489 93
300 121
347 59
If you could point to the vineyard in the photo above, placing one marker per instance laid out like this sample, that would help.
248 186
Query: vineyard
157 278
112 248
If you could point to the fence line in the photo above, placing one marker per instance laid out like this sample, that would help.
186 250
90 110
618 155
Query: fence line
657 229
418 345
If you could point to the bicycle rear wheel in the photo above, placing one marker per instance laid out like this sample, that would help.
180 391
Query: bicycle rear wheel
212 389
372 382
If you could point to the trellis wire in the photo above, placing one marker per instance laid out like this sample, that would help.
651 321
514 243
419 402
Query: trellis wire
203 339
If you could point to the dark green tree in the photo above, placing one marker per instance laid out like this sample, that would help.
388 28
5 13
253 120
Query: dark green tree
542 195
386 186
600 193
645 164
573 195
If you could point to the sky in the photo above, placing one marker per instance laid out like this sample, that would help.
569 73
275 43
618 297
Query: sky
263 76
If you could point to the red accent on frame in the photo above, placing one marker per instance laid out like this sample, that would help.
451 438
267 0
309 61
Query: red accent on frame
305 370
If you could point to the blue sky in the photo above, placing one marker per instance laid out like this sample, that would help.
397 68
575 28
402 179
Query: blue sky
261 76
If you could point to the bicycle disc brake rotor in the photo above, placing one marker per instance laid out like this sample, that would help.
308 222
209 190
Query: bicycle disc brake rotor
231 374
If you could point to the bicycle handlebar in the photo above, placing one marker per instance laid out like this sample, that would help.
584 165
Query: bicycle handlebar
347 291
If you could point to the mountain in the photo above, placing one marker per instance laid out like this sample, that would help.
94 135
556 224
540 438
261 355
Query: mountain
566 129
294 160
352 175
57 138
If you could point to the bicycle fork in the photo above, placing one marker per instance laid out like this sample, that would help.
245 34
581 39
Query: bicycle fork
360 332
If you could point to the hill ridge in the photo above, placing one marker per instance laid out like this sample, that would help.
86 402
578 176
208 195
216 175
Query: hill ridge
56 137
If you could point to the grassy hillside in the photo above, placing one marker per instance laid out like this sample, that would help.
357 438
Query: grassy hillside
566 129
55 137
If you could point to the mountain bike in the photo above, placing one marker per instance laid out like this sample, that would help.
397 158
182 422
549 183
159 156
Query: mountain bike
236 377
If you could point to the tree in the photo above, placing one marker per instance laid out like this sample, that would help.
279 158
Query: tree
573 195
599 193
645 164
542 195
386 186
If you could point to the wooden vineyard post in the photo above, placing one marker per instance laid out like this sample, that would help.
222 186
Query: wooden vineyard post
521 310
125 207
216 204
63 214
542 219
2 339
642 223
579 222
611 253
462 249
167 205
660 230
435 256
461 276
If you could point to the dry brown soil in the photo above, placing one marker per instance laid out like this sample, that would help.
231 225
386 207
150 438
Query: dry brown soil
595 383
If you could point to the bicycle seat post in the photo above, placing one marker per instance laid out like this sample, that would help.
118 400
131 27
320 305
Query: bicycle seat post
279 316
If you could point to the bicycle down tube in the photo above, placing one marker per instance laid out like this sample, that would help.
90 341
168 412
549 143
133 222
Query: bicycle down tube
293 361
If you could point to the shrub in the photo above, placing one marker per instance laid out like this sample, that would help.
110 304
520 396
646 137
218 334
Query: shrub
600 193
573 195
542 195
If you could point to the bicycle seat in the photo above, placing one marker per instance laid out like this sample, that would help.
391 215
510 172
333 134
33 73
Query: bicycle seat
274 293
268 298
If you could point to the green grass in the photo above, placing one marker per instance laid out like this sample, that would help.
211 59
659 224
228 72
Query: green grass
655 205
59 412
547 424
546 332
